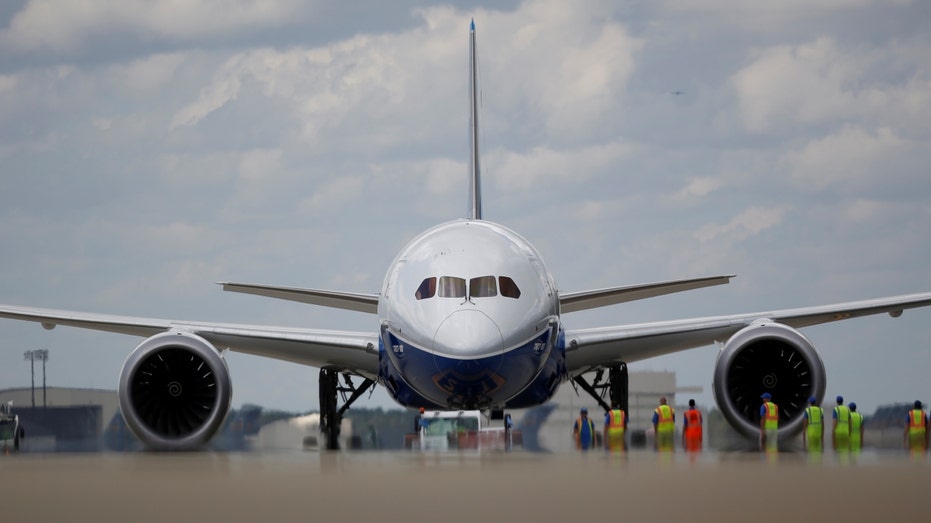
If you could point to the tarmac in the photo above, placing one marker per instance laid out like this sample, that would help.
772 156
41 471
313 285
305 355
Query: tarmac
640 485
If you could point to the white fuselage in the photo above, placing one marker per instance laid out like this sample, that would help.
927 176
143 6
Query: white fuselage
469 317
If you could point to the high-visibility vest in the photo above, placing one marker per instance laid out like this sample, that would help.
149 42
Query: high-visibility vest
842 414
856 421
693 424
591 431
664 419
771 416
616 421
916 422
815 415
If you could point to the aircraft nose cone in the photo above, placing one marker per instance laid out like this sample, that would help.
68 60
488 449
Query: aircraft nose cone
468 334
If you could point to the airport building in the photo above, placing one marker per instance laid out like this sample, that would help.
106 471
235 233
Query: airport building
62 419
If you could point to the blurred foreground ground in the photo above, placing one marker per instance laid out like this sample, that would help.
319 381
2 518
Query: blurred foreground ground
356 486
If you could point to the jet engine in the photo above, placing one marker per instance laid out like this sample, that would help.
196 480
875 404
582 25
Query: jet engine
767 357
175 391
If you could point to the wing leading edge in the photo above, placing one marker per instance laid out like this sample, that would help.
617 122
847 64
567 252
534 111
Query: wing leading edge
341 300
579 301
353 351
588 349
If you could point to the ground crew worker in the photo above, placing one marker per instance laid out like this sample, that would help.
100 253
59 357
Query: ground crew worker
769 422
664 425
916 429
584 431
813 433
615 428
692 428
841 436
856 428
420 421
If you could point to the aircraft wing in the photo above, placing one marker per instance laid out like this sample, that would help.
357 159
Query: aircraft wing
578 301
588 349
353 351
340 300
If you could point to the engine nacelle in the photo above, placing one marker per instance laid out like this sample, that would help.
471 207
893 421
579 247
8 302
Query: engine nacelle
767 357
175 391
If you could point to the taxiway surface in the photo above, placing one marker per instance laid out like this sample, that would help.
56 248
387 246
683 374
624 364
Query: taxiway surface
408 486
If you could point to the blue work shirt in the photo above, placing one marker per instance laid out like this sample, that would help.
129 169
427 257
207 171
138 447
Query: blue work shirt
586 436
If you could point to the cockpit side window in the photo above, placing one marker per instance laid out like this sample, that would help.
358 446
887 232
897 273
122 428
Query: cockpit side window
482 287
452 287
427 289
508 287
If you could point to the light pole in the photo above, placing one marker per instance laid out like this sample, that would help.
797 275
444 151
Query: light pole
32 356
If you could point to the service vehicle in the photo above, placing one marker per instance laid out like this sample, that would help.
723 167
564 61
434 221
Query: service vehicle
442 430
11 433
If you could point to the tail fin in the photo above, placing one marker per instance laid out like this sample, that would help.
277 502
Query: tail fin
475 179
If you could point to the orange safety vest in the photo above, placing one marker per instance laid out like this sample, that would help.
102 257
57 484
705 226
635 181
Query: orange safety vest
916 421
693 424
616 420
771 418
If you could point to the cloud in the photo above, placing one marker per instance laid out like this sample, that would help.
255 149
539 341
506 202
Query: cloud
543 165
577 88
148 73
68 27
176 234
699 187
739 15
748 223
851 159
789 84
335 194
221 90
820 82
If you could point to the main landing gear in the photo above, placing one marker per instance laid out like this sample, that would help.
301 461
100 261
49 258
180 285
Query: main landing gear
330 413
616 387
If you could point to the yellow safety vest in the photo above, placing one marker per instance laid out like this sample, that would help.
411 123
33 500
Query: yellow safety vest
856 421
815 415
843 420
664 420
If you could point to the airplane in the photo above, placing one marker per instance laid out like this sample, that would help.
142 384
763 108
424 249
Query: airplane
468 317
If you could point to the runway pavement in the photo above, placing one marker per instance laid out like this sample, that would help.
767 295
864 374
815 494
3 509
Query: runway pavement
407 486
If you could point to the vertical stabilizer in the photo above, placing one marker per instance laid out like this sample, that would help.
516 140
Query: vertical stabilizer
475 179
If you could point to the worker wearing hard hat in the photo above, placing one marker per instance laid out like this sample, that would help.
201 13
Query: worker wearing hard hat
813 432
769 423
584 431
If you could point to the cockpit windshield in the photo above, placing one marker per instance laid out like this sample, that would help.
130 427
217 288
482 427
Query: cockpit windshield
452 287
455 287
483 287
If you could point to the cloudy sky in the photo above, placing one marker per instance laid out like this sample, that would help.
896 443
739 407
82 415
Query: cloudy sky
151 148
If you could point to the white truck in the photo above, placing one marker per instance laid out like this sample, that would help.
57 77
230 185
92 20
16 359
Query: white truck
439 430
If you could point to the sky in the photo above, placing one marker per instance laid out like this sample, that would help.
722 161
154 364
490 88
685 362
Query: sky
149 149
